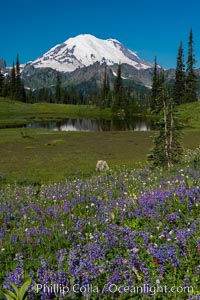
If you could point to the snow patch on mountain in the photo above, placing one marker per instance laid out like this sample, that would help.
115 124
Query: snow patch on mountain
85 50
148 86
115 74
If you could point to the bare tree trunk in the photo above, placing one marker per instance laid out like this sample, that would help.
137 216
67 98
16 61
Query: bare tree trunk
171 137
166 131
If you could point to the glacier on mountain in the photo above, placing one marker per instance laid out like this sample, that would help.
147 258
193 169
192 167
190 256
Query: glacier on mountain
85 50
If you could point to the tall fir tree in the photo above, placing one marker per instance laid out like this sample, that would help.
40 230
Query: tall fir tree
1 84
191 86
7 84
180 79
119 95
30 96
105 100
155 86
108 91
12 83
167 148
58 88
158 104
161 78
130 107
117 92
19 87
18 80
43 95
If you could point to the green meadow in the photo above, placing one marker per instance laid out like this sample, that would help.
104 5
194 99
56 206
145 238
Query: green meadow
33 155
14 113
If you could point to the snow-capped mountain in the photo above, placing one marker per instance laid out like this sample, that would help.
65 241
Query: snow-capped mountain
85 50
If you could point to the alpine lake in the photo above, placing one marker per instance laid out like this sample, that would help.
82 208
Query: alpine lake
89 125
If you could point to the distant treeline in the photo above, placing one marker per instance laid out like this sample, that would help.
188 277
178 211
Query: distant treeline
122 99
184 88
11 85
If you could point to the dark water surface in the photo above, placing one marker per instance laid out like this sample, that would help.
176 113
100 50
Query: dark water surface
136 124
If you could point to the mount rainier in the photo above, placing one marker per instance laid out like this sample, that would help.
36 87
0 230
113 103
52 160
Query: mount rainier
81 61
85 50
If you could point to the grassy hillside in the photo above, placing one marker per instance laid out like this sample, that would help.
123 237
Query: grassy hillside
190 113
16 113
13 113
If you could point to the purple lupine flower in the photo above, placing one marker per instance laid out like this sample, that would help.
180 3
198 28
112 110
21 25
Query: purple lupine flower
3 231
16 276
198 246
172 217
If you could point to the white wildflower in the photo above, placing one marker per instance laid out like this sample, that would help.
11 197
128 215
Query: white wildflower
161 236
158 281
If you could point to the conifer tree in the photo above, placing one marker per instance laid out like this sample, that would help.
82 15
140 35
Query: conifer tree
179 85
1 84
73 95
155 86
6 89
19 87
18 80
108 92
58 88
117 92
191 93
43 95
158 104
161 78
166 144
105 93
30 96
130 102
118 86
13 82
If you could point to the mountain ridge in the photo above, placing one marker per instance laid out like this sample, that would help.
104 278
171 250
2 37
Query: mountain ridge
46 77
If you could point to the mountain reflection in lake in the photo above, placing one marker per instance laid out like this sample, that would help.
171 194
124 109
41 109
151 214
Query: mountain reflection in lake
137 124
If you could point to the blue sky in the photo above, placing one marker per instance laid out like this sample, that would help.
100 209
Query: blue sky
152 28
